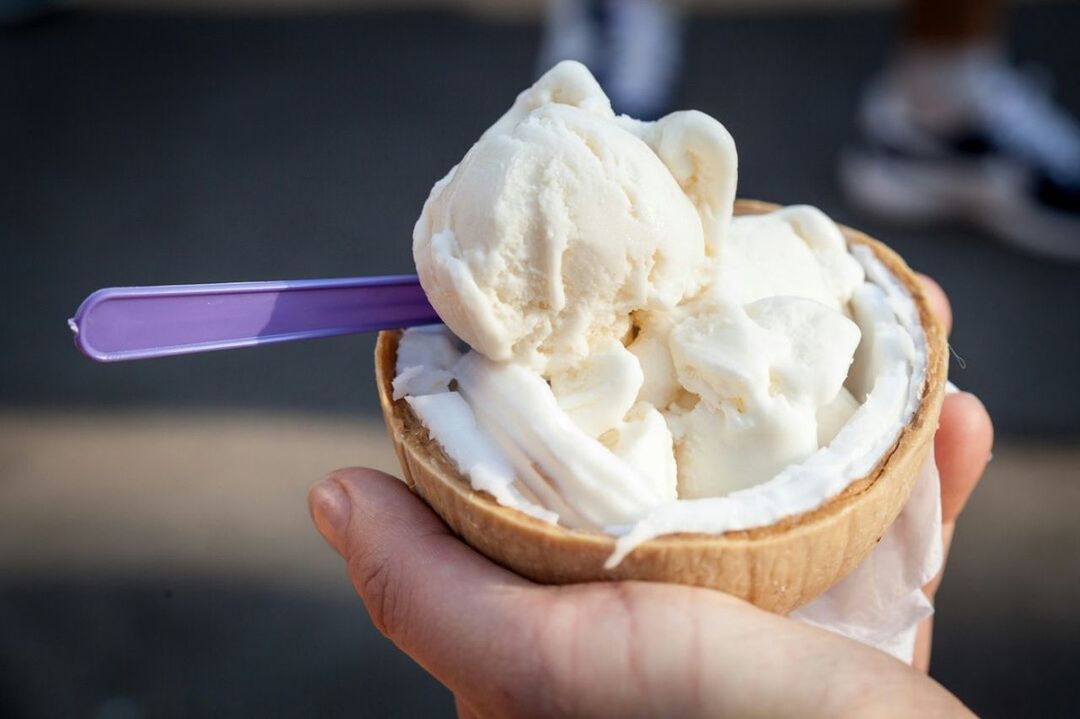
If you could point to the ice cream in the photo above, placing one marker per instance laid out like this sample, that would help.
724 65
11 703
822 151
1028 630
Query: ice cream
563 219
632 358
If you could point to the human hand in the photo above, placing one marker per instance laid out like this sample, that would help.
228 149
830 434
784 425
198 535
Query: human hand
508 647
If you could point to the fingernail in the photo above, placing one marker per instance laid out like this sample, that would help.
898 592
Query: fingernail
330 508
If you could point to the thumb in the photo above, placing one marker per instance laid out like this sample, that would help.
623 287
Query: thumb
433 596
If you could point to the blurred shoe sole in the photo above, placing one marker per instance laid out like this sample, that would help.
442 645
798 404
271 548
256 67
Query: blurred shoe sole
988 195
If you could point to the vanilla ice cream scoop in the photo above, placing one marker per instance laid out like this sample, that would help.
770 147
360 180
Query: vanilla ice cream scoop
562 220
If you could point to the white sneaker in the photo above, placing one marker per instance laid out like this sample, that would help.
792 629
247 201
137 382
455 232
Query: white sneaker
1002 157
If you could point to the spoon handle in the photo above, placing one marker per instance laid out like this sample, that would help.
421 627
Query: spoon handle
125 323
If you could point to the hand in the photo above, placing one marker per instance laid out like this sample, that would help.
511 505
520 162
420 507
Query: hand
508 647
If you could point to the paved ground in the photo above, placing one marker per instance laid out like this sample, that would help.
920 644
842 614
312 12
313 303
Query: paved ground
155 554
164 565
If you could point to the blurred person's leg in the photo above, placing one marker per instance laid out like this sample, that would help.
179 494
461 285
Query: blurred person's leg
634 48
953 131
951 22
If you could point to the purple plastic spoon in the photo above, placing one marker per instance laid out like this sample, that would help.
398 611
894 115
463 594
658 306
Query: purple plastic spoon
126 323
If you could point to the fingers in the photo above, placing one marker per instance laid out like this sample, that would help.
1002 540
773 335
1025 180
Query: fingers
924 639
939 301
463 710
962 447
505 646
437 599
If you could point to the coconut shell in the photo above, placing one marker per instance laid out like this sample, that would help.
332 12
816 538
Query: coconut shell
777 567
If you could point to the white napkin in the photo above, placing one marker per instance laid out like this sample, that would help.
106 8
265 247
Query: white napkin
881 602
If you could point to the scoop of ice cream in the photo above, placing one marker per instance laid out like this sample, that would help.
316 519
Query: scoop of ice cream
753 366
761 373
598 392
643 441
660 385
794 251
701 155
562 220
720 451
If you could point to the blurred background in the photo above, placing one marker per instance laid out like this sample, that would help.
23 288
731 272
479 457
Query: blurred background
156 557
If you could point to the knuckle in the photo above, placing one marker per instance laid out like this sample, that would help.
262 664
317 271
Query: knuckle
377 580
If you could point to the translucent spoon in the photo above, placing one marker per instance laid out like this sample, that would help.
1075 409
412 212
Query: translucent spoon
126 323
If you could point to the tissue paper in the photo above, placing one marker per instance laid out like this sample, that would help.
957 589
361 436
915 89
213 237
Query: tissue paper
881 603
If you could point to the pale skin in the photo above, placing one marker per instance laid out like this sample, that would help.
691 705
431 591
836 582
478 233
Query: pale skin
506 646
